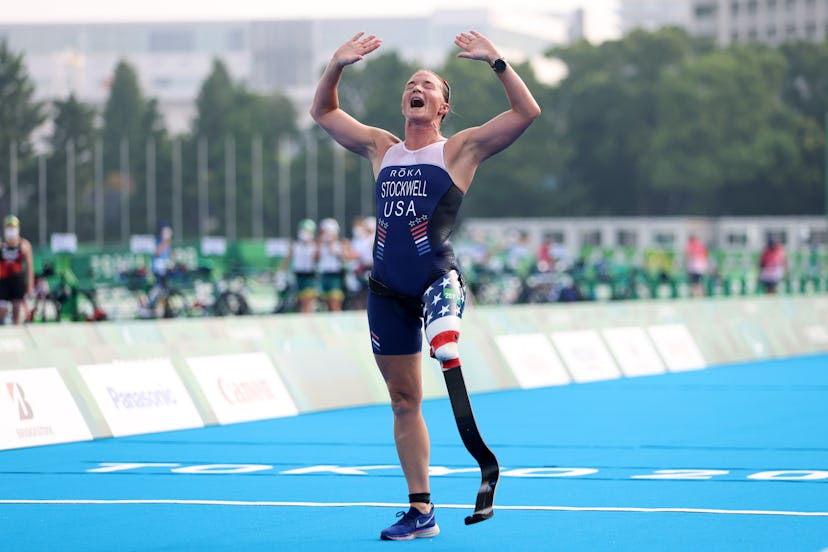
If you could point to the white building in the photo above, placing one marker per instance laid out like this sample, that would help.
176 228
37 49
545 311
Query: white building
728 233
651 15
768 21
173 58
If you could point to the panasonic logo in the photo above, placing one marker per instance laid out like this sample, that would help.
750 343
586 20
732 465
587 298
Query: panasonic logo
142 398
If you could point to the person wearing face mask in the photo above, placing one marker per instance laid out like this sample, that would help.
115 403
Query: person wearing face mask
415 285
301 260
330 264
16 271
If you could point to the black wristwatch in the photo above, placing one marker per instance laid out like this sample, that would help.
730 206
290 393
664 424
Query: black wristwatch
499 65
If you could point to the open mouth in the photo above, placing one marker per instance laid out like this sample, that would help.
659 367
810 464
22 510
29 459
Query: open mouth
417 102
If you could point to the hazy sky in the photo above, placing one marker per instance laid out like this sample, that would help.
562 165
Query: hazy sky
14 11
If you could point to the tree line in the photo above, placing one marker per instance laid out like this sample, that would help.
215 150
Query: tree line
653 124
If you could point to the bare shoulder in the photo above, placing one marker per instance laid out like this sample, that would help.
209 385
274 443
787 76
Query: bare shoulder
385 140
461 157
458 144
382 143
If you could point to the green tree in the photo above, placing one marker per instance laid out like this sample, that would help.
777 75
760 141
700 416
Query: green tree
806 91
154 204
607 105
215 102
725 144
131 119
124 112
20 115
806 81
231 118
73 136
124 122
73 120
269 118
521 180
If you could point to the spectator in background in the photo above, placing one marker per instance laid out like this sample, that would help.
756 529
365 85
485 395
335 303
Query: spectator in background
330 263
302 262
772 266
519 255
16 271
160 266
361 259
546 256
479 251
696 263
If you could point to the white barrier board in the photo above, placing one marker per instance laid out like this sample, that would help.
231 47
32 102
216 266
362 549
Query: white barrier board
242 387
634 351
141 396
676 346
36 408
585 355
532 360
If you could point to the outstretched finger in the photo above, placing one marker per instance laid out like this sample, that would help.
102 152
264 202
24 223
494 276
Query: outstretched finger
462 38
371 44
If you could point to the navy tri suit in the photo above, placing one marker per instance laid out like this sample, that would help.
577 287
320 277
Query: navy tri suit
417 206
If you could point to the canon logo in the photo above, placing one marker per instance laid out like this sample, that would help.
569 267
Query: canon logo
245 391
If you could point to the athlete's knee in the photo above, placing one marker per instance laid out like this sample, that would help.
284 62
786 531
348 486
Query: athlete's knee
404 402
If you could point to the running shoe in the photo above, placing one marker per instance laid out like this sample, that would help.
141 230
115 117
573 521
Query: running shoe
412 524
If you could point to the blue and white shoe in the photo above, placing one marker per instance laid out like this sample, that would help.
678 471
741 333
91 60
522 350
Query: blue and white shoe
412 525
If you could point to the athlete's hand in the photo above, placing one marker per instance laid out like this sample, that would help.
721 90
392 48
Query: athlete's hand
356 49
476 46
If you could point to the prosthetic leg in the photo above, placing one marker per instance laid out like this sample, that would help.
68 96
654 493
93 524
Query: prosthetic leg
443 307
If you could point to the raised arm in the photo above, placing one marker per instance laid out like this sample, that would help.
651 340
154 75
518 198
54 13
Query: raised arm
474 145
325 109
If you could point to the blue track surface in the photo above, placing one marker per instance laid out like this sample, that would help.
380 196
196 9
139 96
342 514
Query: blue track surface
583 469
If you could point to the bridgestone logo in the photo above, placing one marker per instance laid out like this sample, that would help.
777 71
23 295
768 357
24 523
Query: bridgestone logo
24 409
149 398
36 431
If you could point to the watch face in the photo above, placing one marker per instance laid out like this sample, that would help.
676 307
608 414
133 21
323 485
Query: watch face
499 65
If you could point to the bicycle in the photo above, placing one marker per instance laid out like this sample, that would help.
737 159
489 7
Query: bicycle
156 298
165 298
66 300
230 300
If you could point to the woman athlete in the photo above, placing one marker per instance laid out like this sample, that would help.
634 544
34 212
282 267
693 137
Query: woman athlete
420 184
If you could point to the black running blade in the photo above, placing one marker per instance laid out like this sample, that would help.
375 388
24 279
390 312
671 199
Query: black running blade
489 469
477 517
484 505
